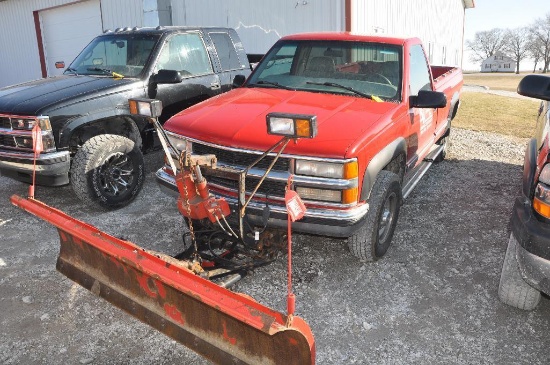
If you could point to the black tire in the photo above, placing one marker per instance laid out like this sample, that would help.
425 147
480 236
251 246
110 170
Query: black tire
513 290
108 170
445 143
373 239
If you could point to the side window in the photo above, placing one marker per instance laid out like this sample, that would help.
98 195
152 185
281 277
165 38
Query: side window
185 53
226 51
419 74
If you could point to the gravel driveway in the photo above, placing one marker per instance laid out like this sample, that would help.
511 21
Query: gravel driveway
431 300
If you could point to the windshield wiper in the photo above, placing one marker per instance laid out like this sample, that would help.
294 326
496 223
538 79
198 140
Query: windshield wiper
263 82
333 84
72 70
107 71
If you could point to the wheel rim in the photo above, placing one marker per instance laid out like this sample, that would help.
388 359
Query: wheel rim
116 174
387 217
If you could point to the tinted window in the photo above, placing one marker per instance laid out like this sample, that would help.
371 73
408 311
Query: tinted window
123 54
420 76
185 53
226 51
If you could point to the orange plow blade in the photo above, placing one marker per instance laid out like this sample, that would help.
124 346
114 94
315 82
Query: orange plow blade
223 326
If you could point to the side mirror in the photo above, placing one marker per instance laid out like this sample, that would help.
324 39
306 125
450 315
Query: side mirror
535 86
428 99
166 77
238 81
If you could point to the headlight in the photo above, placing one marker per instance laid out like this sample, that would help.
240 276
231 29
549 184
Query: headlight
145 107
179 142
48 142
27 124
334 170
292 125
541 200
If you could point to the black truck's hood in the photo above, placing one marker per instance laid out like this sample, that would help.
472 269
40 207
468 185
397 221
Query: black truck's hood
36 97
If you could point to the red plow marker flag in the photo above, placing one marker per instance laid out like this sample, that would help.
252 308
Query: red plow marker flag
37 147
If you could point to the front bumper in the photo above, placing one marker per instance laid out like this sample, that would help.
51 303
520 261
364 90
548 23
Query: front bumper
52 169
326 222
533 251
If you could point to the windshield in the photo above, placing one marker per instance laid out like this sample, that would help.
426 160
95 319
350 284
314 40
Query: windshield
340 67
125 55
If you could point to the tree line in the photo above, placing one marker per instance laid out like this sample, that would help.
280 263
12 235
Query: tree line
520 44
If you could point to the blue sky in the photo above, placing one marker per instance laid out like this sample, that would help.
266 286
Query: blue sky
507 14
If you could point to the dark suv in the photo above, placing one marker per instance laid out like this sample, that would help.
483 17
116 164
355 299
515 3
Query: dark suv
526 269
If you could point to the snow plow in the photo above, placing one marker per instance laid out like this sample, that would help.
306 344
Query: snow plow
186 297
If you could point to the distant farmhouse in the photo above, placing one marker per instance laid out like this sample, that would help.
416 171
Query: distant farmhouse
498 62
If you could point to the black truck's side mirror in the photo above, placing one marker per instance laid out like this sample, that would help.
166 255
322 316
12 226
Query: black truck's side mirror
428 99
238 81
166 77
535 86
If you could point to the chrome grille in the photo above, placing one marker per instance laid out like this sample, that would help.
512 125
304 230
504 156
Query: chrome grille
238 158
241 159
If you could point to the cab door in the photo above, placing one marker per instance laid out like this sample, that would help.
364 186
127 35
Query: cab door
422 120
187 54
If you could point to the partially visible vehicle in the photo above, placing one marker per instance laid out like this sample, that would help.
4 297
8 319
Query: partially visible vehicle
90 138
526 268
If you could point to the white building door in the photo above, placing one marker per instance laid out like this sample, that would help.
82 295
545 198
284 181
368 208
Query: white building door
66 30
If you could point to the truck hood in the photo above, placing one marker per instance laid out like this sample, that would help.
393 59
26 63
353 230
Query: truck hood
238 119
36 97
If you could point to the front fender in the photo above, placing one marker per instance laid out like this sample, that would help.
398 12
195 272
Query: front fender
379 161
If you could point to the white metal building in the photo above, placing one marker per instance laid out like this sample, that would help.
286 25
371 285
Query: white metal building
37 35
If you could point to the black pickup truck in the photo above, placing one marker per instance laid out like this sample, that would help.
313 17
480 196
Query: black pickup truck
89 137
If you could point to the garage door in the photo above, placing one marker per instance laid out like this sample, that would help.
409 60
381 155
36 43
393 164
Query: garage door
66 30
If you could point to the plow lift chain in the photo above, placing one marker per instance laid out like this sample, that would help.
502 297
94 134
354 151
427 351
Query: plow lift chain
216 251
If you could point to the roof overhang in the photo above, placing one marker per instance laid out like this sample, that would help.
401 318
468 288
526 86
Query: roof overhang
468 4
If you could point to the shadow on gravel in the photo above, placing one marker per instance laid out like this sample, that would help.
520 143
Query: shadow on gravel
431 300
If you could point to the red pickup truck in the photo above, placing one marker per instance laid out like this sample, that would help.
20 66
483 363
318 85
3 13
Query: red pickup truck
383 116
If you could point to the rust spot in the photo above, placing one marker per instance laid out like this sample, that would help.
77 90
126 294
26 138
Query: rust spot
231 340
174 313
143 281
160 289
293 341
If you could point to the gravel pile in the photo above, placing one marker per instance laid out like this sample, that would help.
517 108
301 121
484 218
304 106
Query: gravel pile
431 300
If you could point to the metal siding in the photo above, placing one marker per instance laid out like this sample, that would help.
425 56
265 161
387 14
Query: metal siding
438 23
260 24
19 60
122 13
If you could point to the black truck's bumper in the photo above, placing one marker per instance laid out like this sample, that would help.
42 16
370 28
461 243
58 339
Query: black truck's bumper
533 251
52 169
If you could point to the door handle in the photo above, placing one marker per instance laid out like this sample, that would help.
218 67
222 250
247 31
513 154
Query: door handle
215 86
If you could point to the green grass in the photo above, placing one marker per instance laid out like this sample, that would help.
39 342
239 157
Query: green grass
508 82
499 114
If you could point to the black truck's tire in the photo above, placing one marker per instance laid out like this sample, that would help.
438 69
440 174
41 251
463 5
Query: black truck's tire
373 239
513 290
108 170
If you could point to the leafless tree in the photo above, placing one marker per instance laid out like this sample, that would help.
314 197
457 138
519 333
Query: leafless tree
534 49
486 44
540 31
515 44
